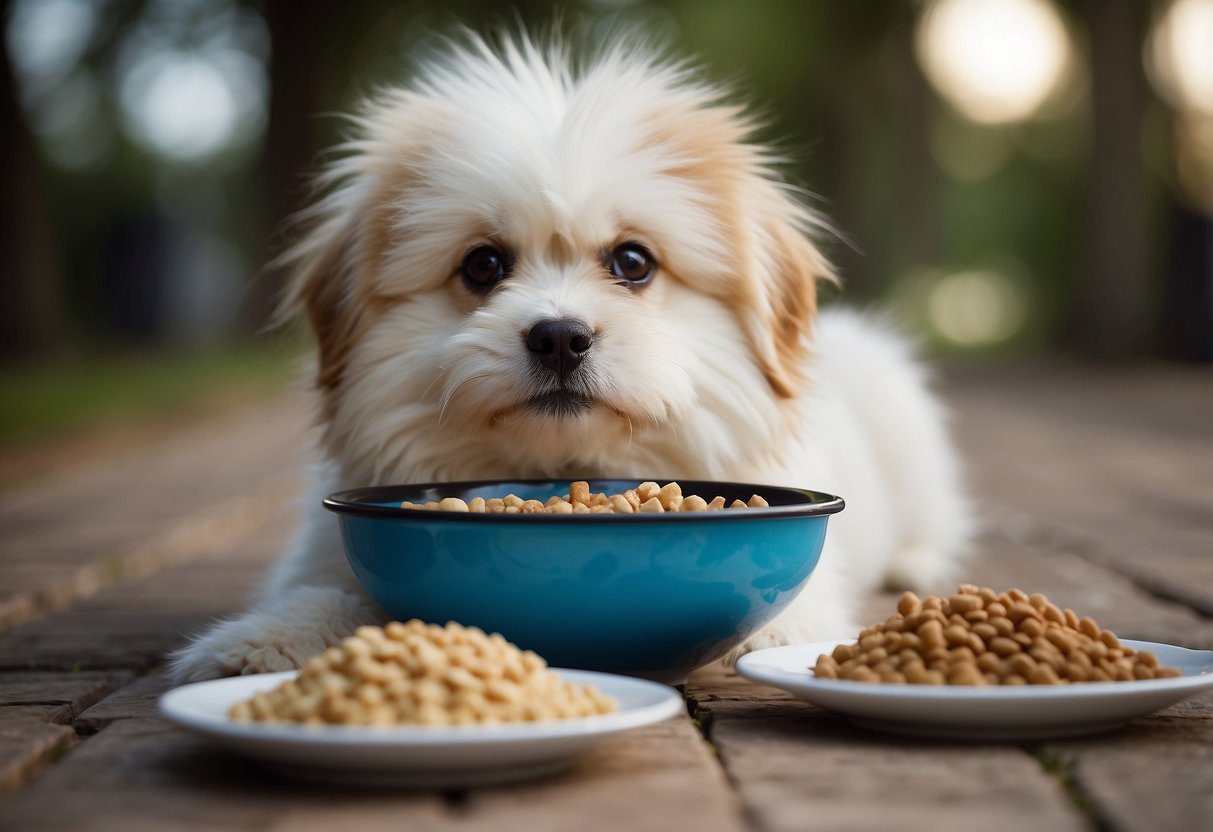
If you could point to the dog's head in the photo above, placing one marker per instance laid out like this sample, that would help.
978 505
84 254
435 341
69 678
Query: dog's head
540 264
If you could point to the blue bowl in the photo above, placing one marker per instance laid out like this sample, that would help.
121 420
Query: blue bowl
652 595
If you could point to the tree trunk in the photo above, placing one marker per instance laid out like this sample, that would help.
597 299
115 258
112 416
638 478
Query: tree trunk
298 29
1113 305
33 318
1186 330
917 227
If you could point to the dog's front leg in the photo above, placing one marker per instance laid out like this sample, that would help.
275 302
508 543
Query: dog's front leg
279 634
311 601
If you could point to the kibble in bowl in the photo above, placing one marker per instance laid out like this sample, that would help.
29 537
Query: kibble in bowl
646 498
647 593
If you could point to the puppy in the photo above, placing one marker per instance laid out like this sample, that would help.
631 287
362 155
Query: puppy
525 267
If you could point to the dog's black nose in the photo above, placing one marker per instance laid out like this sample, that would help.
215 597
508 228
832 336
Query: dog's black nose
560 344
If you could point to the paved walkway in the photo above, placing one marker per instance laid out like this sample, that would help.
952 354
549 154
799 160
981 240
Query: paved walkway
1097 489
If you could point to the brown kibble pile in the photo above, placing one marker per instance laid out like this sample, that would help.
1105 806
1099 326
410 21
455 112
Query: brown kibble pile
422 674
981 637
646 497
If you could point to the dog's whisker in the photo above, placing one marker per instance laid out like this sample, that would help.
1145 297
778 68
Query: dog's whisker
449 397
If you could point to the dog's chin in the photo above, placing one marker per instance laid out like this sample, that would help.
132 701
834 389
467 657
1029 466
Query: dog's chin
560 404
559 408
548 406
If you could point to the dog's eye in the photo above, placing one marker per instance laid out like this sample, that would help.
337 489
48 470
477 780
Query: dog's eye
633 263
483 268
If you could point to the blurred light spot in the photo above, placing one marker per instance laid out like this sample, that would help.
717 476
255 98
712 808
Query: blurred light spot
995 61
969 153
47 38
1179 62
192 80
179 105
1179 56
976 308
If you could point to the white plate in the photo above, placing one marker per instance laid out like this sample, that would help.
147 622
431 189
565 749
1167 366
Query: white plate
982 712
415 756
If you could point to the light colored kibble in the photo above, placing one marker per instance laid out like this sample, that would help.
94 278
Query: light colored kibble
648 497
647 490
979 637
620 505
412 673
670 496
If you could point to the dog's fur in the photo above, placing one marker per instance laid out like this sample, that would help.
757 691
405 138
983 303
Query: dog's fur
721 368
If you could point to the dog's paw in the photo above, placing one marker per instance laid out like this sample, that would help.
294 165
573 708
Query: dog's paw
227 652
773 636
780 634
921 569
279 636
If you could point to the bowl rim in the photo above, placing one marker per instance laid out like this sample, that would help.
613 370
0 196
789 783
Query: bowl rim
361 502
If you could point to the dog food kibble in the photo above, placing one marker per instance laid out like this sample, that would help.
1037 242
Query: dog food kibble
422 674
646 497
981 637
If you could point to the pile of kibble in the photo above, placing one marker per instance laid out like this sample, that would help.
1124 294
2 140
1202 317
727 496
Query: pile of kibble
646 497
421 674
982 637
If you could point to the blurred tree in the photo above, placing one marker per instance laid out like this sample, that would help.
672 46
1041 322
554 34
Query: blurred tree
1061 204
918 225
1186 329
298 33
33 320
1114 308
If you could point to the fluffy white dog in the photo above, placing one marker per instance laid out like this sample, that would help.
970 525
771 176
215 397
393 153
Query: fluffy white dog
525 267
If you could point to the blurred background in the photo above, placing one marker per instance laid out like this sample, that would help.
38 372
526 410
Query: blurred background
1014 179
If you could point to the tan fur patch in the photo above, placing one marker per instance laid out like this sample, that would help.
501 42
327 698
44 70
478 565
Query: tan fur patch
793 301
773 290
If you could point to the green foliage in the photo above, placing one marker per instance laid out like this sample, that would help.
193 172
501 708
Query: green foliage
46 400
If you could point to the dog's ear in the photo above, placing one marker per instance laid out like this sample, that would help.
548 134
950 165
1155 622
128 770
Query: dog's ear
348 231
325 287
784 301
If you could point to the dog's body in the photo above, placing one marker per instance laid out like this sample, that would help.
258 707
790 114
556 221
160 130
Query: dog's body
525 271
